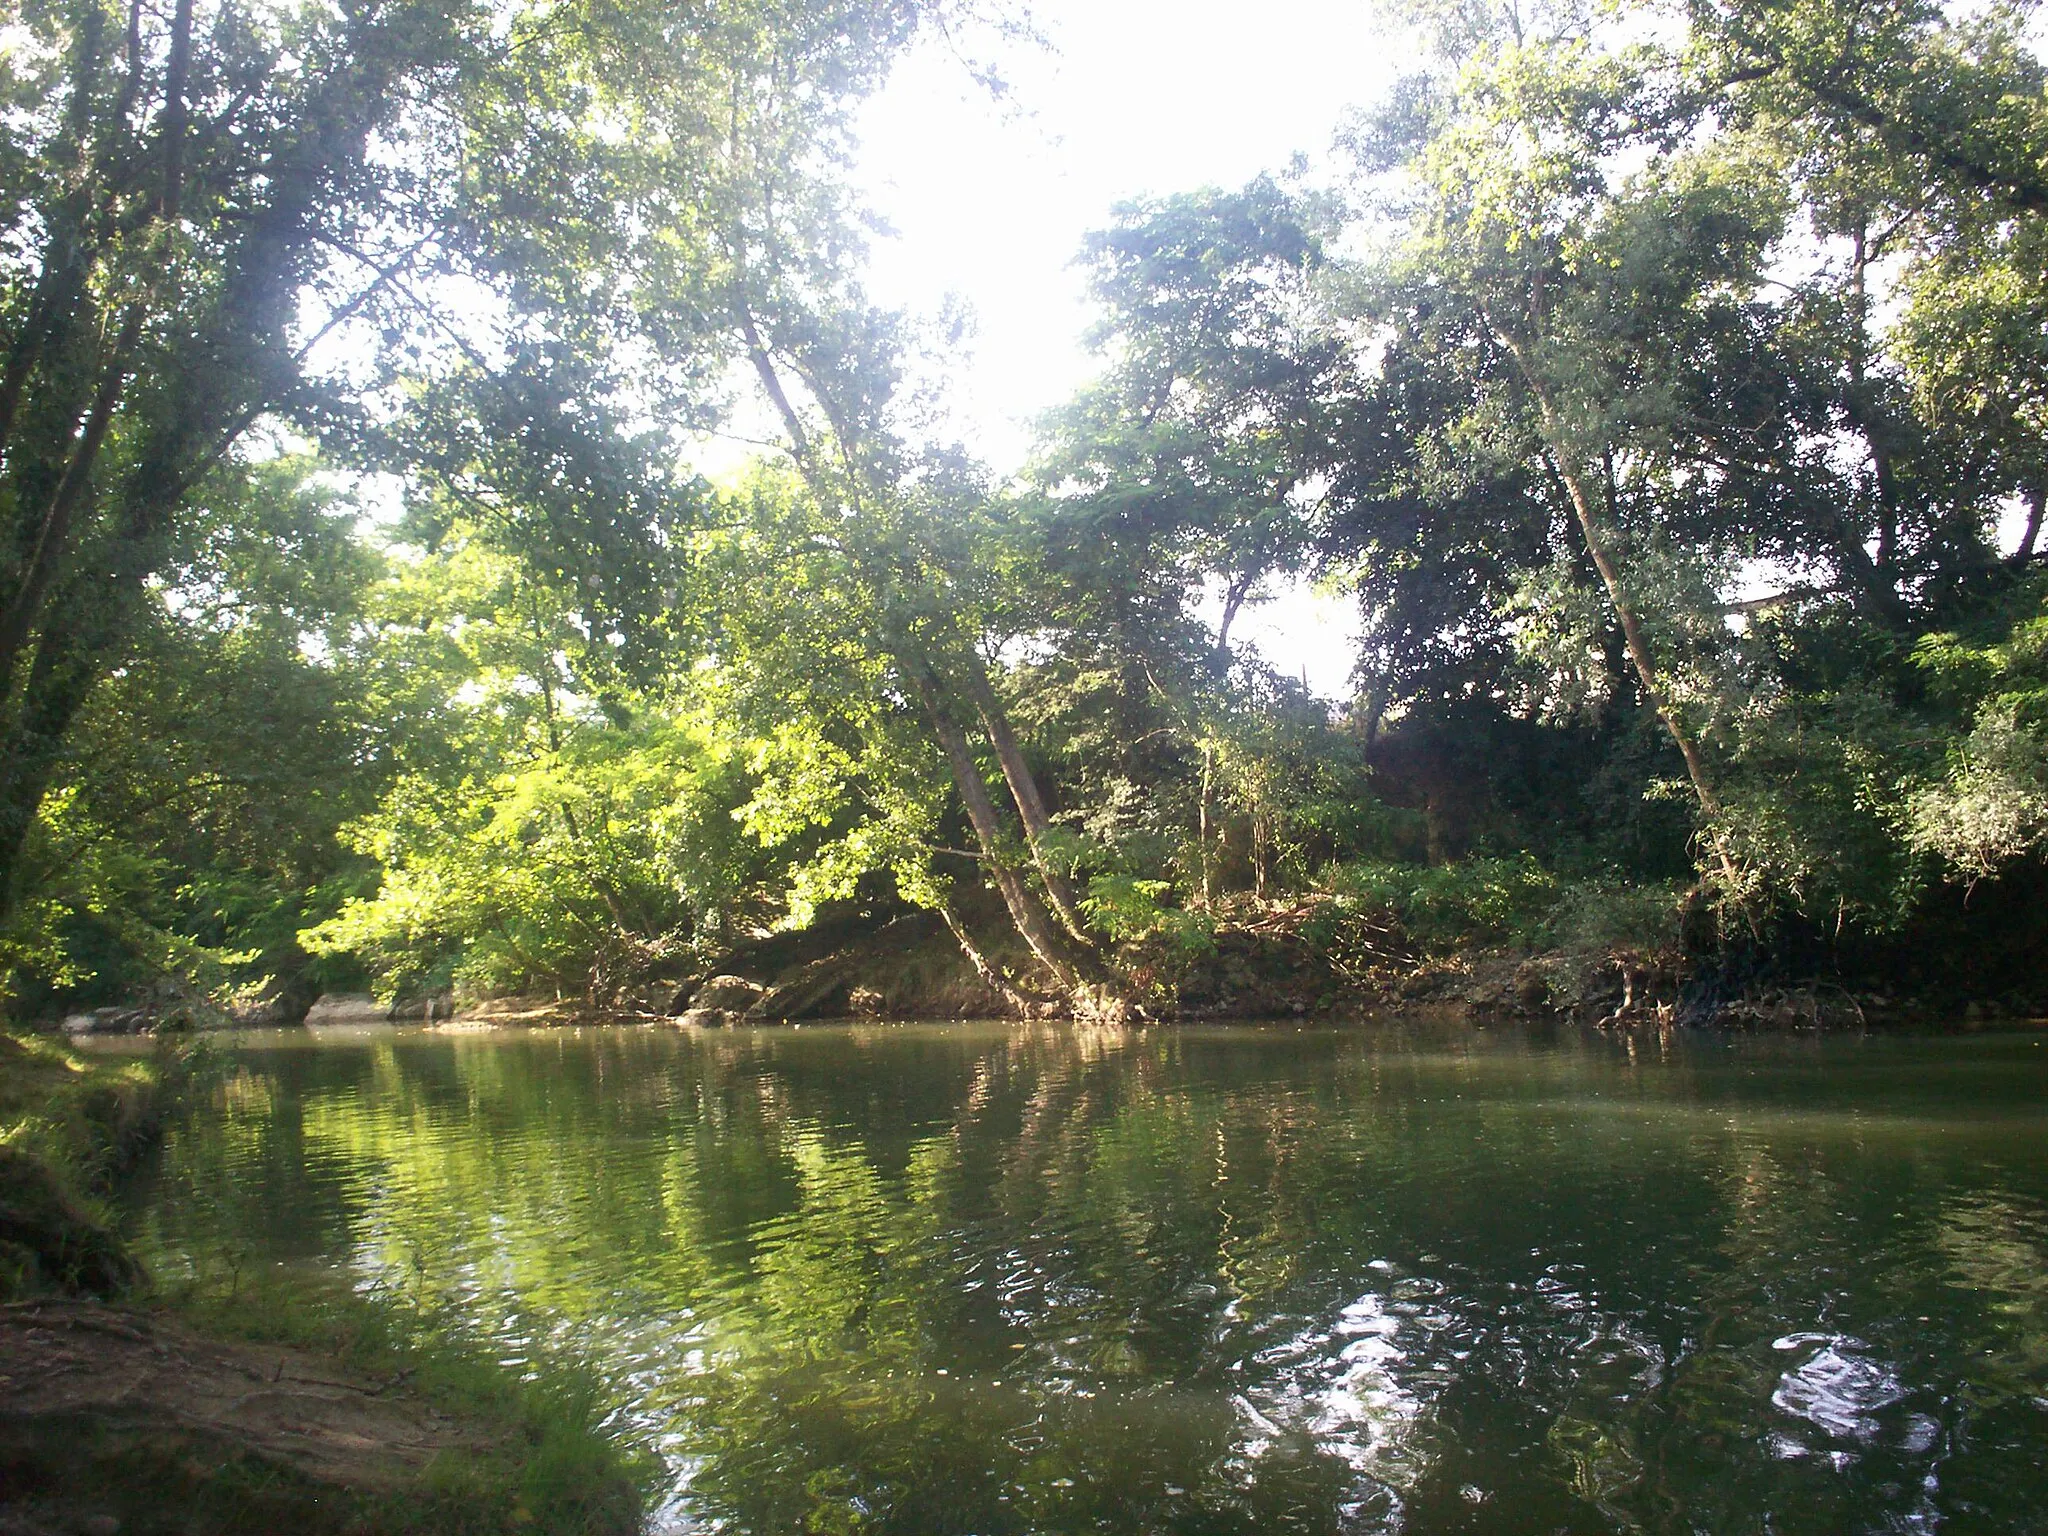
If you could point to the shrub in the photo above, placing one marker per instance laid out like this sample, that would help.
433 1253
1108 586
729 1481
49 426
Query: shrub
1483 900
1128 910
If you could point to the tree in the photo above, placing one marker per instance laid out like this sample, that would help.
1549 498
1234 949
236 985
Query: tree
1194 456
174 185
223 218
190 829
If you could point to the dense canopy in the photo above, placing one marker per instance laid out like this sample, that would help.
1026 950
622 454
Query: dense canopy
1666 384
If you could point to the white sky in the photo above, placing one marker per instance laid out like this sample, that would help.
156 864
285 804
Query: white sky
1135 97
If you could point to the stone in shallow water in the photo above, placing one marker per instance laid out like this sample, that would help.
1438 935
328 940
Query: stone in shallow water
110 1021
730 994
710 1018
347 1008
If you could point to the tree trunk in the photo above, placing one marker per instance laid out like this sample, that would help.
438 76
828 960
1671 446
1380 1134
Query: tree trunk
1233 599
2037 496
1032 922
60 679
1262 843
1645 667
1610 575
1077 972
61 277
53 532
1632 638
994 979
1024 791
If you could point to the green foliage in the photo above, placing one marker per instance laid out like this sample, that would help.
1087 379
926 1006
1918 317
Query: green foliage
573 873
1843 801
1989 808
189 829
1813 790
504 254
1442 906
84 1116
1621 320
70 1124
1127 910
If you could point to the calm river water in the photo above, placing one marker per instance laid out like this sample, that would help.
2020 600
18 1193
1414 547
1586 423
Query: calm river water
944 1279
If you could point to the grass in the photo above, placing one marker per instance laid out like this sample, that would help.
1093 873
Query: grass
554 1467
84 1115
548 1463
68 1124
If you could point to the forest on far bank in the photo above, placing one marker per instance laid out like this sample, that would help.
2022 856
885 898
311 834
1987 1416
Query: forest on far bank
1666 383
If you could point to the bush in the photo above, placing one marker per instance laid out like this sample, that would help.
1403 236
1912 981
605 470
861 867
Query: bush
1129 910
1991 808
1441 906
571 872
1600 916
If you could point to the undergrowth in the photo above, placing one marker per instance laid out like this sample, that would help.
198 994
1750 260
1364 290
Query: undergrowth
1439 908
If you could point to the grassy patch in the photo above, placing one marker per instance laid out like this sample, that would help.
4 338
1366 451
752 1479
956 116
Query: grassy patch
83 1115
553 1467
68 1124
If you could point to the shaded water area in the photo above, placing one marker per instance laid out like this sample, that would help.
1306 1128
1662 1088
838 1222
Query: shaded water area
1399 1277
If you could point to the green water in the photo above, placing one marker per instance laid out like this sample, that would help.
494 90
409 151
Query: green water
936 1279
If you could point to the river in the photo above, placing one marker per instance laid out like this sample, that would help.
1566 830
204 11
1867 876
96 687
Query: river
1407 1276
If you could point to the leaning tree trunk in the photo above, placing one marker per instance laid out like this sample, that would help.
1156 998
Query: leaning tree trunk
1645 666
65 623
61 676
1031 919
983 966
1569 471
1632 637
1024 790
1077 970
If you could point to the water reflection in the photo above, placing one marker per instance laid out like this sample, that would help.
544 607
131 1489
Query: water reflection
982 1279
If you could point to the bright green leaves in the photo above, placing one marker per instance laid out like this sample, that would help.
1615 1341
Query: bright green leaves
574 872
502 253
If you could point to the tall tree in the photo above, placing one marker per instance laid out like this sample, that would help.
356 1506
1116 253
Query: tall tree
222 217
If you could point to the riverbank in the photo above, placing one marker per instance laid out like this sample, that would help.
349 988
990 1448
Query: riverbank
1316 957
1599 956
229 1406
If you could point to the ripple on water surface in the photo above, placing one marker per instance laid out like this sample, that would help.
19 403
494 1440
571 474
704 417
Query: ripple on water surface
929 1279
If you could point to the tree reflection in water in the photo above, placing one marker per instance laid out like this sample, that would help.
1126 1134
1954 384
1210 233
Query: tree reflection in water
989 1279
